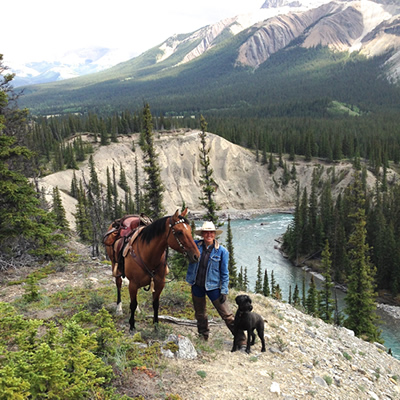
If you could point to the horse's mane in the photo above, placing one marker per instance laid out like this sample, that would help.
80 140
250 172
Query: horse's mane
155 229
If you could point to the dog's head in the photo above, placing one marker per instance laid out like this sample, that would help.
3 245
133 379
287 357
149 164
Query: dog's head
244 303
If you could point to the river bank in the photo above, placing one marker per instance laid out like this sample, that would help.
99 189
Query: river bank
259 226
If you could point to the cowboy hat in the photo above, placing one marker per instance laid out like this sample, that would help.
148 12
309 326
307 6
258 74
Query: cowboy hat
208 226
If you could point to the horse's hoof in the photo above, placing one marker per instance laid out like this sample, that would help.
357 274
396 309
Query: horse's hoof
132 331
118 311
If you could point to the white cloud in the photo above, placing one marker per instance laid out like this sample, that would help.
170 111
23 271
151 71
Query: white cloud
36 30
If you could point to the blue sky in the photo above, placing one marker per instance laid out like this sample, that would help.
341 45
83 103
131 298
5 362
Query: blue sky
37 30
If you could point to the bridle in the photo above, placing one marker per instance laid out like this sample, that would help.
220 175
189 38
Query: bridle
181 220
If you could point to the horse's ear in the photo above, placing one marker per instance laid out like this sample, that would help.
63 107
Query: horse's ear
184 212
176 215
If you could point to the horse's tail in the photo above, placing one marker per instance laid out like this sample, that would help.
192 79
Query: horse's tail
121 264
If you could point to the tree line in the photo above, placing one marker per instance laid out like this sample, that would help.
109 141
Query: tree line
58 142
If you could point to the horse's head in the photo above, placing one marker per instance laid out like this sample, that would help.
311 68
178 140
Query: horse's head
181 239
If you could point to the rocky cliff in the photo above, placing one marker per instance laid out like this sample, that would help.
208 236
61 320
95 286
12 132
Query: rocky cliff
243 184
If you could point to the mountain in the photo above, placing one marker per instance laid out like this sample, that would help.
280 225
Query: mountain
70 65
285 52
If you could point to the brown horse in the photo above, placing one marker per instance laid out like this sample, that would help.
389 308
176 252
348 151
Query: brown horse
146 264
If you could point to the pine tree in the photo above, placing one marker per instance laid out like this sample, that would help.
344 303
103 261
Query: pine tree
327 308
296 296
232 262
93 180
137 188
245 280
59 211
293 172
97 208
303 291
116 211
292 153
153 186
360 297
264 158
104 140
305 239
22 220
74 186
82 220
273 284
240 279
271 164
58 160
258 285
207 181
311 301
266 289
109 196
278 292
123 183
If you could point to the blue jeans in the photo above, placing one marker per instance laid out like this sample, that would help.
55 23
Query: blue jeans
199 291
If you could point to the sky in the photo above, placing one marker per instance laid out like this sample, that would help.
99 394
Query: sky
44 30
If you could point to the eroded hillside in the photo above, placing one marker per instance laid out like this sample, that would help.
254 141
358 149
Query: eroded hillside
244 184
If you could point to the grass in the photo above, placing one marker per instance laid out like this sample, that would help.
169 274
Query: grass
347 356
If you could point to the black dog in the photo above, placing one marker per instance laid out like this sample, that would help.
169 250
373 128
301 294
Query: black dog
245 320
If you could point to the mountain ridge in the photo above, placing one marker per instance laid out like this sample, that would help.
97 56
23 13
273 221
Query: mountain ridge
190 68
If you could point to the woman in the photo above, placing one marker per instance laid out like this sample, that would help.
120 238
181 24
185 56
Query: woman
210 276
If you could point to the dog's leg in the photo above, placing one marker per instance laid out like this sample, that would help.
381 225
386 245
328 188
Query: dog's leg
253 338
238 334
248 341
235 345
260 332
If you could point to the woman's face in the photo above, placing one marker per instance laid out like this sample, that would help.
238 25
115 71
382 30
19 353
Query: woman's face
208 237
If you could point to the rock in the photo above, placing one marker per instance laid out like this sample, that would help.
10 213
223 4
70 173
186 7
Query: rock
320 381
380 346
274 350
186 349
275 388
373 395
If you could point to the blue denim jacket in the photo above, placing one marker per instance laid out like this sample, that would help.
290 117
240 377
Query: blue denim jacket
217 275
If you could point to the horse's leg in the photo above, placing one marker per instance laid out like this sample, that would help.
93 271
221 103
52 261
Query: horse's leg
118 282
156 299
133 294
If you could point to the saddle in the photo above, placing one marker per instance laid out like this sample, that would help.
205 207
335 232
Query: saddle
127 229
123 227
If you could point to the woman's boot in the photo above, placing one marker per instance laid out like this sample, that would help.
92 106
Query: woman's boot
200 313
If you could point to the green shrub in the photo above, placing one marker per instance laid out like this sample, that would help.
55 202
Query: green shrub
60 362
31 290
